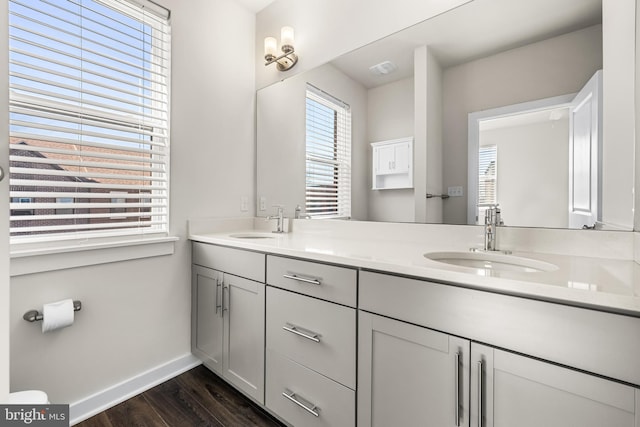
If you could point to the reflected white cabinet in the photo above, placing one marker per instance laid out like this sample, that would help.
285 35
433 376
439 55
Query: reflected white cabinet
392 164
410 376
228 317
514 390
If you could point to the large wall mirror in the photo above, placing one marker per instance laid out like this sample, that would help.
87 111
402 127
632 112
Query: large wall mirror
428 82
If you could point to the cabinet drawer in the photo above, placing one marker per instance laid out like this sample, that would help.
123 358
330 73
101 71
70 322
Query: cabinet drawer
235 261
332 283
319 334
327 403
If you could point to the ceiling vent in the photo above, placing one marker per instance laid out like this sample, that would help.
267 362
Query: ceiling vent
383 68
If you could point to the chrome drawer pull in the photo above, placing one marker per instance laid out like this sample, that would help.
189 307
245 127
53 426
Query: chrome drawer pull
298 331
302 279
456 377
480 389
312 409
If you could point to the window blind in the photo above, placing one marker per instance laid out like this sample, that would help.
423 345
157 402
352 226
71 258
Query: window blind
487 175
89 118
328 156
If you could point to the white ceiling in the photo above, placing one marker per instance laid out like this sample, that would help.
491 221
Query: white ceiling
473 30
255 5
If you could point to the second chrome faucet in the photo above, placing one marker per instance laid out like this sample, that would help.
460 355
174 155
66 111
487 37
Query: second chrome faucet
492 220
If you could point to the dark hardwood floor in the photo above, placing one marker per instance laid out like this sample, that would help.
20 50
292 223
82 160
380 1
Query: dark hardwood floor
196 398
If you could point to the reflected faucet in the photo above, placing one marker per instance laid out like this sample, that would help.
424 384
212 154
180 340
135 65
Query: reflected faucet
492 220
280 217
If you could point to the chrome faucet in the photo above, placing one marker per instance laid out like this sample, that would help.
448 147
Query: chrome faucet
280 217
492 220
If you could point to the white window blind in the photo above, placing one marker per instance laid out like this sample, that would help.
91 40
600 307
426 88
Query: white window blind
487 175
328 156
89 118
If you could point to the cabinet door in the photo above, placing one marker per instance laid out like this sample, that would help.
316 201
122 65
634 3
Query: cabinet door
207 322
410 376
514 390
385 156
244 302
402 157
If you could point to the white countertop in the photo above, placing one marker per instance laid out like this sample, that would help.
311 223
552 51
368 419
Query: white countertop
601 283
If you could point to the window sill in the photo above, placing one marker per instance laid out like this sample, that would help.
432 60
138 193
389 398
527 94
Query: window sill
30 260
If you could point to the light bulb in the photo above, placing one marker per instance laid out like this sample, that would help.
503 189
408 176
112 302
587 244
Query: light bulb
270 47
286 38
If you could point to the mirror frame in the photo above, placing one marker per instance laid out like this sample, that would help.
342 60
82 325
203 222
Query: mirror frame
473 127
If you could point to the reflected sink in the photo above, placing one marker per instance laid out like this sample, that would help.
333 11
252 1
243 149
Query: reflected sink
252 235
486 262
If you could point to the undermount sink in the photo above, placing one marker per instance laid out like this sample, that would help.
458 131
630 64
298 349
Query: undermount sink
252 235
486 262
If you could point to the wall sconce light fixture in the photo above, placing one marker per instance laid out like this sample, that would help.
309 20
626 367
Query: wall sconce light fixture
288 59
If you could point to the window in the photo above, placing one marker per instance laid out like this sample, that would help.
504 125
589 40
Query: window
487 178
328 158
23 204
89 100
64 211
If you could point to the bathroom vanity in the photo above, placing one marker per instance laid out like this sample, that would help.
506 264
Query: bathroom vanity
363 330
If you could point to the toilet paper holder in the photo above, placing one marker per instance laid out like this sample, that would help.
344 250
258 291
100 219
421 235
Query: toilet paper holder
35 316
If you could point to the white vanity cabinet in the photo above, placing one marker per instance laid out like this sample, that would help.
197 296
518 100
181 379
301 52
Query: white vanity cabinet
551 373
514 390
409 375
311 342
228 315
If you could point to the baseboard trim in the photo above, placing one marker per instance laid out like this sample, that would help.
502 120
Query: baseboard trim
109 397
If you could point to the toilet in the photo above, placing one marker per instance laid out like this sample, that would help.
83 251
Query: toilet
28 397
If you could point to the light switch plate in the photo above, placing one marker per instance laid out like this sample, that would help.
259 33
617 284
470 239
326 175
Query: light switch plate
455 191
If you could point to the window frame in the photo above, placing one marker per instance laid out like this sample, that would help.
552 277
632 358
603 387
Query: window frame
337 203
77 113
77 251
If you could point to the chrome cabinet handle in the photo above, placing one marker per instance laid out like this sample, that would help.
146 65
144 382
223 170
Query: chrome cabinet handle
302 279
225 304
480 415
298 331
457 388
218 302
310 407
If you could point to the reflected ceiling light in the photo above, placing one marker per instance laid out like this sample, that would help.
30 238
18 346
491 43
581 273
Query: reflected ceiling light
288 58
383 68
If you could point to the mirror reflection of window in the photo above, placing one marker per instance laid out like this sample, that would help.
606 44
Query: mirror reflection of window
487 178
328 155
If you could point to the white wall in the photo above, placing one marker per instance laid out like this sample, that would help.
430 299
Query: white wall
136 314
533 177
636 225
619 112
4 215
428 136
435 148
326 29
281 139
390 116
553 67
